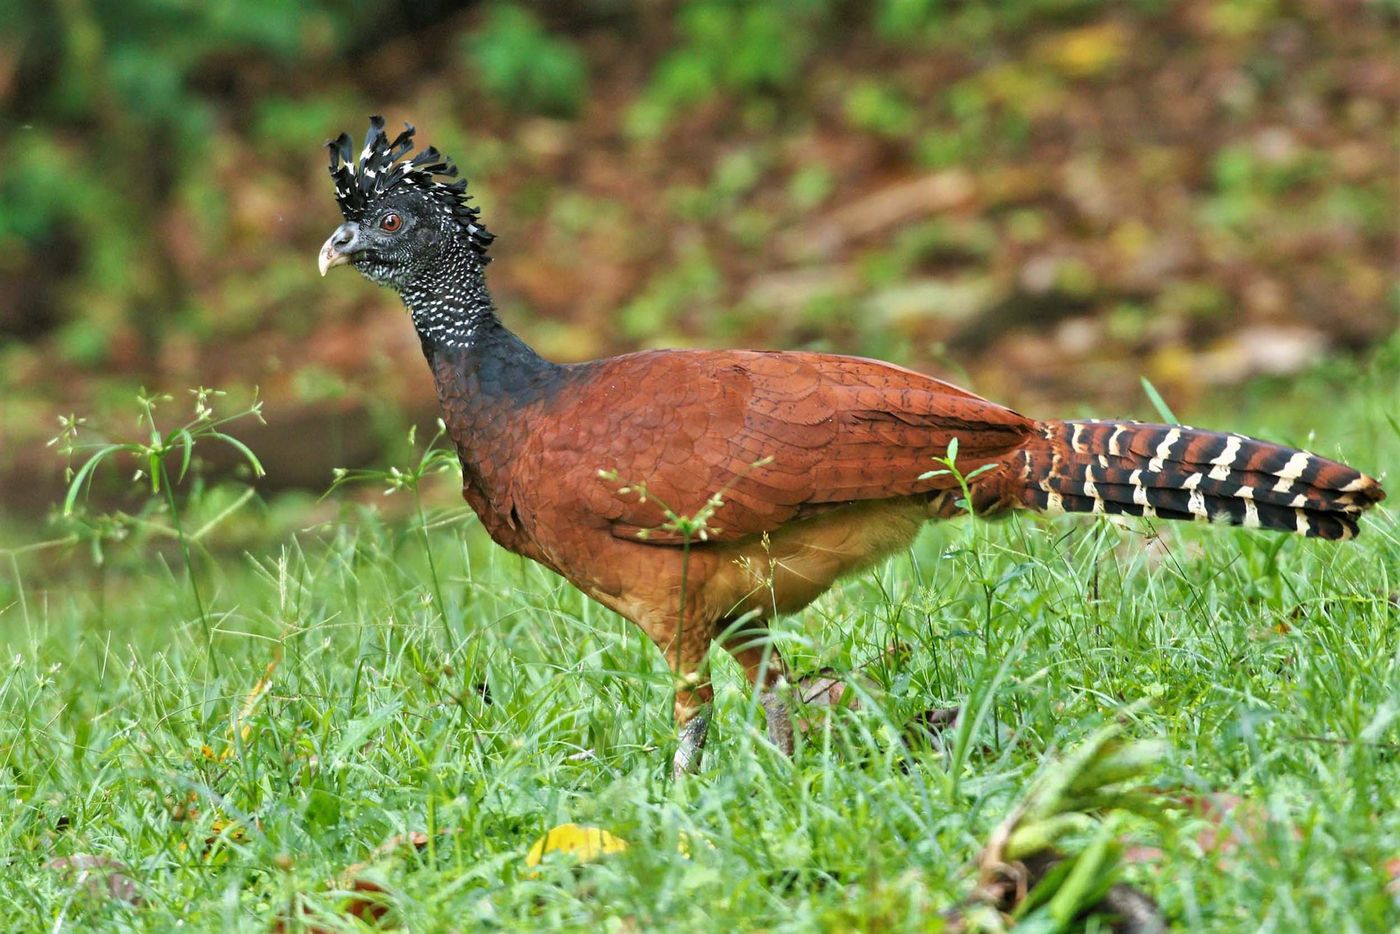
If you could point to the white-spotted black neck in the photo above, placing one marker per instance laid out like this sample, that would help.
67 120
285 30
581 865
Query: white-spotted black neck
457 324
450 305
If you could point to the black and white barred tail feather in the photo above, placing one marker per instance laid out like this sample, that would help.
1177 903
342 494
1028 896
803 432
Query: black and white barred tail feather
1176 472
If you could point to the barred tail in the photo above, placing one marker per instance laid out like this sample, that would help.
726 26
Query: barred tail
1176 472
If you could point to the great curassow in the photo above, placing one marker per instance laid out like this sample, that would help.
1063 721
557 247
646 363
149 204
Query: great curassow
805 466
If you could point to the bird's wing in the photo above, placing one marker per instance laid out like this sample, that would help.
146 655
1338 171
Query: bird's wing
775 436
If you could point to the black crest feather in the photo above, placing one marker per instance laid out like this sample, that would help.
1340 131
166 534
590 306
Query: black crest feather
382 167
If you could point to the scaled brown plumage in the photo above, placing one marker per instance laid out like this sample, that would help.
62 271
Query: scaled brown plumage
822 464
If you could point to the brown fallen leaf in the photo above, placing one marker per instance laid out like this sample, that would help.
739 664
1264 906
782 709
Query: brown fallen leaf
1126 910
101 876
927 729
1134 853
369 898
415 838
932 723
1232 821
368 901
825 689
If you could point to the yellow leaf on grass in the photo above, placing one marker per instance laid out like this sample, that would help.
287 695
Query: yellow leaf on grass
241 723
250 704
587 843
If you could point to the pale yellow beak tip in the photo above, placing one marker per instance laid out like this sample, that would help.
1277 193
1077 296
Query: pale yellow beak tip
330 256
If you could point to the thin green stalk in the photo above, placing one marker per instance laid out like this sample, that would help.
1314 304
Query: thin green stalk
19 588
685 569
189 561
432 566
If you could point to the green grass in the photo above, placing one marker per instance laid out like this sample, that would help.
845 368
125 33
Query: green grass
1270 664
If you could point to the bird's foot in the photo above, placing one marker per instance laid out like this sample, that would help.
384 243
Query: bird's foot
692 745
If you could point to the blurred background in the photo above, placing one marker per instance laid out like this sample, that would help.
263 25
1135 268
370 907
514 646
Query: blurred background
1044 199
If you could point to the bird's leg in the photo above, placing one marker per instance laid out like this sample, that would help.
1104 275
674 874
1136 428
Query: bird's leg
764 668
694 701
686 647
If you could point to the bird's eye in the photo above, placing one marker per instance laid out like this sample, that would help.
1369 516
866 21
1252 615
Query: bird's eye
391 222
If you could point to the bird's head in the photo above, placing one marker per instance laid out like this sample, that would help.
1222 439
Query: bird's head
403 221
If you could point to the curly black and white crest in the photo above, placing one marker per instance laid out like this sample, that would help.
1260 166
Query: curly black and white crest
382 168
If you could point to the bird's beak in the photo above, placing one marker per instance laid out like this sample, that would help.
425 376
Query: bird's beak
339 246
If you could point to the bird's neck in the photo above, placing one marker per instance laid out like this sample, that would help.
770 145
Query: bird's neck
480 367
451 307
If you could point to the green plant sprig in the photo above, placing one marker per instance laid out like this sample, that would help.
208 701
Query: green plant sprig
154 453
434 459
158 446
963 480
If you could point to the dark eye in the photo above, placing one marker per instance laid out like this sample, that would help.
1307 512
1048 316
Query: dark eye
391 222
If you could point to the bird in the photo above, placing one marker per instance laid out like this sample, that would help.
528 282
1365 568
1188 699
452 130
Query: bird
700 493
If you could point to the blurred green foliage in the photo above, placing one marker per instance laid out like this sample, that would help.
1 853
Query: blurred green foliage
951 22
116 106
1171 170
525 67
729 46
880 109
